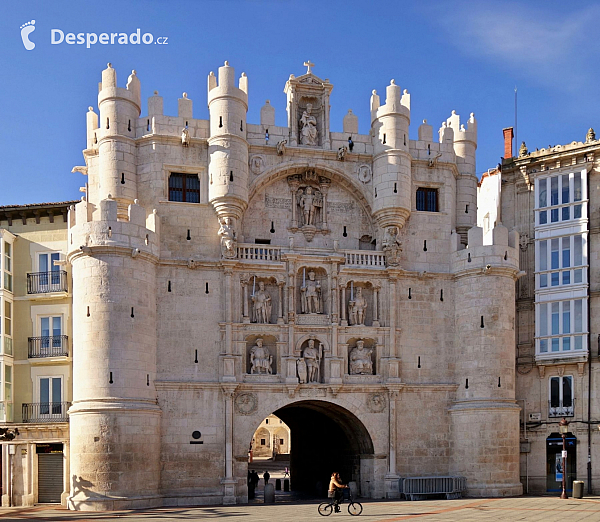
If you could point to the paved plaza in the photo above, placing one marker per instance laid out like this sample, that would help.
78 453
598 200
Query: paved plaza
547 509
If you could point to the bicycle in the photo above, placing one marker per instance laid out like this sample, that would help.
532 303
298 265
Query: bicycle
354 508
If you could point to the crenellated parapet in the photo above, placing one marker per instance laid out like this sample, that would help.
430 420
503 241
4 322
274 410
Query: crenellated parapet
138 236
502 256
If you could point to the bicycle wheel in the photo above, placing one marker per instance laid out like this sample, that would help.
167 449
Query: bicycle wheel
325 509
355 508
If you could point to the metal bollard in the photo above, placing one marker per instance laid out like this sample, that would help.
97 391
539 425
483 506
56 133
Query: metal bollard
269 494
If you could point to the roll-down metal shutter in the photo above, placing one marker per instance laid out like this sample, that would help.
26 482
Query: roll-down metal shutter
50 477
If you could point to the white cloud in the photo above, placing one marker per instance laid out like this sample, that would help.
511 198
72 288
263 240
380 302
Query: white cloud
549 47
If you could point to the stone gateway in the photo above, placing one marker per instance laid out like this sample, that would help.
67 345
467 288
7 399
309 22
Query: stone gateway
380 329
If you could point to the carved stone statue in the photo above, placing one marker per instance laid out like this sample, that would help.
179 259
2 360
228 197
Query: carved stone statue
360 360
308 128
392 246
341 153
302 370
260 359
185 137
262 305
312 358
281 147
590 136
228 238
357 308
523 150
311 295
309 202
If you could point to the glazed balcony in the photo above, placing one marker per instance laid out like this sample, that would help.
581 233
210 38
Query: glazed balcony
47 282
48 346
558 409
45 412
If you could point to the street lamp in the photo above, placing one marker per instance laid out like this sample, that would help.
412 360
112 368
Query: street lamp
563 428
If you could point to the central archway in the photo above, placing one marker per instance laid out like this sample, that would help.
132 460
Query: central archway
325 438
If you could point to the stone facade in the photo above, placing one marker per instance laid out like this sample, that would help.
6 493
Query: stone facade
385 325
548 196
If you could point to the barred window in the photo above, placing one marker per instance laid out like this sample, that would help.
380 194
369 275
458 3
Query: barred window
184 188
427 199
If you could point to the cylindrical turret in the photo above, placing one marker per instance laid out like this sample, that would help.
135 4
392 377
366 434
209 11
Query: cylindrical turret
227 145
391 159
465 145
485 366
119 110
114 419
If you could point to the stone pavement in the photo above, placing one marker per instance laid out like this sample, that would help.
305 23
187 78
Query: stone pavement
547 509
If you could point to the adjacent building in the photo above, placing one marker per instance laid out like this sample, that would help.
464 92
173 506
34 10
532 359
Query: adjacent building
548 196
36 350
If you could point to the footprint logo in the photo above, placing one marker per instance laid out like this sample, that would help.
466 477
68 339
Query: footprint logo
26 30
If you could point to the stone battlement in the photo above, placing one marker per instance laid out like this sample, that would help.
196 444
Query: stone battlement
503 253
100 227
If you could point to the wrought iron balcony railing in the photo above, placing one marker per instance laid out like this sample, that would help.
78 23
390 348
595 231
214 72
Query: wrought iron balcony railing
45 411
47 282
48 346
560 410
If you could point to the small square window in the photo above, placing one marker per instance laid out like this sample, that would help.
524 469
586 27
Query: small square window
184 188
427 199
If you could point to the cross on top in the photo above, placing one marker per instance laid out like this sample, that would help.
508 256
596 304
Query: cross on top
308 64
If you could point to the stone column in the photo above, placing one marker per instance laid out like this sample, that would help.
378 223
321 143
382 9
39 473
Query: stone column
392 308
294 184
392 480
245 315
343 304
324 189
229 482
280 285
66 473
376 306
334 296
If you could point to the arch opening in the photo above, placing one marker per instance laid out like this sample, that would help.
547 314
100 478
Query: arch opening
325 438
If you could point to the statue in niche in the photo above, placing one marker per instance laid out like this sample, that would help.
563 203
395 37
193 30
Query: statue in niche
392 246
260 359
357 308
360 359
261 301
310 200
228 238
312 359
311 295
308 128
302 370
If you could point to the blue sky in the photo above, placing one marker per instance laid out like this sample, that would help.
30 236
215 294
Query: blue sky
466 56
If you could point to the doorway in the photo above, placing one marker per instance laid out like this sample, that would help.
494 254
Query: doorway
554 446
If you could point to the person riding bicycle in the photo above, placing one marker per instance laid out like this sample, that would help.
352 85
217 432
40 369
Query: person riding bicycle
336 490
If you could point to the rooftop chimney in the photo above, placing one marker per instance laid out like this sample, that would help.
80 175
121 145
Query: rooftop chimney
508 141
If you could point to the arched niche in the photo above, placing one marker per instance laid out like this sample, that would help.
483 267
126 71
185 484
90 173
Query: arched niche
303 276
274 215
269 342
370 293
369 345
